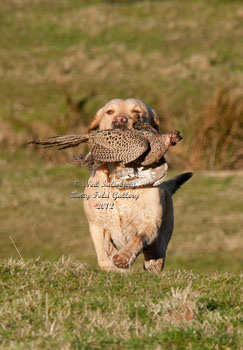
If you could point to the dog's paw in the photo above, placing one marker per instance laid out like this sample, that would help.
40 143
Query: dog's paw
121 260
124 259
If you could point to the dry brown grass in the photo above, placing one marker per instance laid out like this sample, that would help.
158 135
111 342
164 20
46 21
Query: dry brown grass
217 140
16 132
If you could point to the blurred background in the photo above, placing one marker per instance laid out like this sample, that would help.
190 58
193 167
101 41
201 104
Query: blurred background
61 60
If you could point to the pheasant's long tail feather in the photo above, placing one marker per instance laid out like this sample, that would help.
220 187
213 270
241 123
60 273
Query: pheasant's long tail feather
61 142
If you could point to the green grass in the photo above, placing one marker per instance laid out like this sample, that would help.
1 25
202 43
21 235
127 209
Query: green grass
174 55
69 305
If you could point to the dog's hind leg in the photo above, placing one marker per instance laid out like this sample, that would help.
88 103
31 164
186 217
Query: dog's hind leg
154 258
154 255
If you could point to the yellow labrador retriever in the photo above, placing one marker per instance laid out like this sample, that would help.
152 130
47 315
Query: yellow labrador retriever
124 222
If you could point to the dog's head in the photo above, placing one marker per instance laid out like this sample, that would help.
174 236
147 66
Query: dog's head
120 113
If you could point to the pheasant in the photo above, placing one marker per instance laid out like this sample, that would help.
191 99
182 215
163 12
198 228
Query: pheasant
142 145
118 145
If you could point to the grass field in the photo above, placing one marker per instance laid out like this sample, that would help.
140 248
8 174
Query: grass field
68 305
60 61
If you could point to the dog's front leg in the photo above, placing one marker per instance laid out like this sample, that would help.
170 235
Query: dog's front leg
127 255
98 237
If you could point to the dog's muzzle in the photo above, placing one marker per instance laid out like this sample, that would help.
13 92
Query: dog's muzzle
120 121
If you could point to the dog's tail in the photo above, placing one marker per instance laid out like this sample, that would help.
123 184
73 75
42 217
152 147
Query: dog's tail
174 184
62 142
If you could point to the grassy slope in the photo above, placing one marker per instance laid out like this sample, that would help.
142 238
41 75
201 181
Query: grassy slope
67 305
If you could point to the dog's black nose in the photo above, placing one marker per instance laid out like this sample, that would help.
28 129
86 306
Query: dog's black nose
120 120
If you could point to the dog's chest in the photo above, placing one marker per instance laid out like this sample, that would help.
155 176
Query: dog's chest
122 213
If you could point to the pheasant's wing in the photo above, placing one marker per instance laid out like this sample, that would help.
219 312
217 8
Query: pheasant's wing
61 142
113 155
122 153
119 146
118 138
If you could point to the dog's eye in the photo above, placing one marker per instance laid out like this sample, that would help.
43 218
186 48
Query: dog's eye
110 111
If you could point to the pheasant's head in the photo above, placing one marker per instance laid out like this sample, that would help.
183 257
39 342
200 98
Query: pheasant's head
175 137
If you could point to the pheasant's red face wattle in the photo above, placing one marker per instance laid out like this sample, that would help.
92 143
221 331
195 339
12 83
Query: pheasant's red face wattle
175 137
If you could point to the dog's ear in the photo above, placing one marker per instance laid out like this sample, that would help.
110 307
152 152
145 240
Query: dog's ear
154 118
96 120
